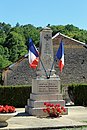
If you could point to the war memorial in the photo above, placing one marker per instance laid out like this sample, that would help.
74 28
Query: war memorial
46 86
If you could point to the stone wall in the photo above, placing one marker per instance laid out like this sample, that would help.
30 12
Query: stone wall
75 58
20 74
75 66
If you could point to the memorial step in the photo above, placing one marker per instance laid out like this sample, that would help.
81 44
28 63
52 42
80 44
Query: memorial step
38 97
39 111
37 104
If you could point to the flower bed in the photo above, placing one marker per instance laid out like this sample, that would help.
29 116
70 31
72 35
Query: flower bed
53 110
7 109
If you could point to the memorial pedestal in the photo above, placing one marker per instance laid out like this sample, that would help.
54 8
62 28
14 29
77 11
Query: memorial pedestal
44 90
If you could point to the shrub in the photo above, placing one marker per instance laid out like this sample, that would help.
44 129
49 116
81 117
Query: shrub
14 95
78 93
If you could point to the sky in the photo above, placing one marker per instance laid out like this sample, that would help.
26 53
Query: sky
40 13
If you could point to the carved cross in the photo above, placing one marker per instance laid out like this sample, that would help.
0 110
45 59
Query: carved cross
47 37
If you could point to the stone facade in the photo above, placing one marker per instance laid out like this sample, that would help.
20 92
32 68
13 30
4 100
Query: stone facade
74 70
19 74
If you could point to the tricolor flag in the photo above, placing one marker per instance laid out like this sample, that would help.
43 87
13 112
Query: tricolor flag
60 56
33 55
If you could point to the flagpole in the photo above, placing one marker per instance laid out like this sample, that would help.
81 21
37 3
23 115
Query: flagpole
52 67
43 67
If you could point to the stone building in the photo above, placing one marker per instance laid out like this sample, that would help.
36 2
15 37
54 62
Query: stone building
74 70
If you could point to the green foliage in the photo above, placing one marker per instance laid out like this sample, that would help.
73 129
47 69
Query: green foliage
14 95
31 32
4 62
1 50
5 27
78 93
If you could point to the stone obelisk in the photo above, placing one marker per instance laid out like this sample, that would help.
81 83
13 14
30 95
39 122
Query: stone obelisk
46 87
46 53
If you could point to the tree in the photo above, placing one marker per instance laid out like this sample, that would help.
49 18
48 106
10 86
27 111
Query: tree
2 37
17 24
1 50
4 62
15 43
31 32
5 27
13 53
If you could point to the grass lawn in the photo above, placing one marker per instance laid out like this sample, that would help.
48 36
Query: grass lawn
80 128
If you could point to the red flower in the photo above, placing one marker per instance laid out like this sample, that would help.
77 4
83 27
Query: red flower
57 105
48 105
7 109
44 110
58 109
64 110
1 109
53 110
48 110
51 105
45 103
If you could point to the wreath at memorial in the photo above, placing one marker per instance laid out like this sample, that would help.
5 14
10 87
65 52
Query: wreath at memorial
53 110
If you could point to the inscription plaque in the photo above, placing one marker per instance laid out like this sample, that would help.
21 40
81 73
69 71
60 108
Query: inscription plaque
46 86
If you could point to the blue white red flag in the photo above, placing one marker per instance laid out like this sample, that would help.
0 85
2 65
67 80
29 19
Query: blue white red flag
33 55
60 56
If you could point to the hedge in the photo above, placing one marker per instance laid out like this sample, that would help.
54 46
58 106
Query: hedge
18 95
78 93
14 95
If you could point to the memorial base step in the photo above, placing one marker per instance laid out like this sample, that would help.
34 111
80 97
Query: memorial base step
37 104
39 111
48 96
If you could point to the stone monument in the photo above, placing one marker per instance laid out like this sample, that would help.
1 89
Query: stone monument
46 87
